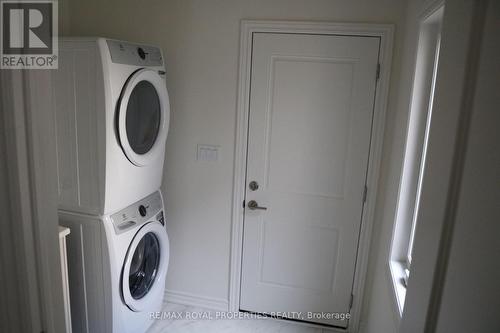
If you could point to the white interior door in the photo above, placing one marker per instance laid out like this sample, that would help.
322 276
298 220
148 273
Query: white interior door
311 107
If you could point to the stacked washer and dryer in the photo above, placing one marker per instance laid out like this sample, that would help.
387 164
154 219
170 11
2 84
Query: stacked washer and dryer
112 116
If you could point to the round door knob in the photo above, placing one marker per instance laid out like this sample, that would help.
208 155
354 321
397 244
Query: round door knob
253 185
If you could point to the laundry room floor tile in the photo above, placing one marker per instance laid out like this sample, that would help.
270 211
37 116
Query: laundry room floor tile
177 318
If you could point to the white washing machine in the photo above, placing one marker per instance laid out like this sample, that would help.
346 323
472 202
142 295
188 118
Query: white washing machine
117 267
112 117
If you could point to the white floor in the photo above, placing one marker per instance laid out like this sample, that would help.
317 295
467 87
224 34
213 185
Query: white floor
186 319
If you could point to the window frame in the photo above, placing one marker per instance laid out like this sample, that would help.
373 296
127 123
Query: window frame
420 114
424 153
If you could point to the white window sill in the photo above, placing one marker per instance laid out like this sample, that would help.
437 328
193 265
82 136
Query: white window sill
397 275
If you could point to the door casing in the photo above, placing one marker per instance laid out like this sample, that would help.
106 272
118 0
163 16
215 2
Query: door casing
248 28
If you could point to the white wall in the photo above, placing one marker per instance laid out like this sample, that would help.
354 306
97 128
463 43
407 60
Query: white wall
471 295
381 312
200 39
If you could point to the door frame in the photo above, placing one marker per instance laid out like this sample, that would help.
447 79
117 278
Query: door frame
248 27
31 193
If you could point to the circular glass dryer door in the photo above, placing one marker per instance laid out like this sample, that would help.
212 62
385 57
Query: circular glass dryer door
145 265
143 117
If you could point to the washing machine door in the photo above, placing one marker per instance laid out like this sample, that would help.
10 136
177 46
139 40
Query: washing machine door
143 117
145 267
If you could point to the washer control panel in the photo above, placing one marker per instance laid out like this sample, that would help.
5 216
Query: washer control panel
134 54
145 210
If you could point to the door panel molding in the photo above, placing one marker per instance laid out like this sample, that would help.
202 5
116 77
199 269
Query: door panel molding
248 28
275 59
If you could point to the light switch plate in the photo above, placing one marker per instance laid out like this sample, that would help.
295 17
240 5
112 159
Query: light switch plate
207 153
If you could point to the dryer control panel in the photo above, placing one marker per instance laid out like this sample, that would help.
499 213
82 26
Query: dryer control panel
134 54
145 210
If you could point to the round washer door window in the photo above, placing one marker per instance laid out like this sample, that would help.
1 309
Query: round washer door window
144 266
143 117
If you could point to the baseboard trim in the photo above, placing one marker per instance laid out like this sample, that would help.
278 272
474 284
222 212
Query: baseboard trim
212 303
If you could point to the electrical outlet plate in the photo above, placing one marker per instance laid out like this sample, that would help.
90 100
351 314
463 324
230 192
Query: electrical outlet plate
207 153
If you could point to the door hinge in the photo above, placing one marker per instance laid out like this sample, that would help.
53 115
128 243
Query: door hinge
243 203
351 301
377 75
365 193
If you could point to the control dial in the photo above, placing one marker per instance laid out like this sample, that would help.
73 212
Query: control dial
141 53
142 210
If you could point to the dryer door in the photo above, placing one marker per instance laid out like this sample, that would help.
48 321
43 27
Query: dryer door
145 267
143 117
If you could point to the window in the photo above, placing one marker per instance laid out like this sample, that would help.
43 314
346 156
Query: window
406 221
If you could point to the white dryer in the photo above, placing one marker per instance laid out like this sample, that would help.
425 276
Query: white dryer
112 117
117 267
